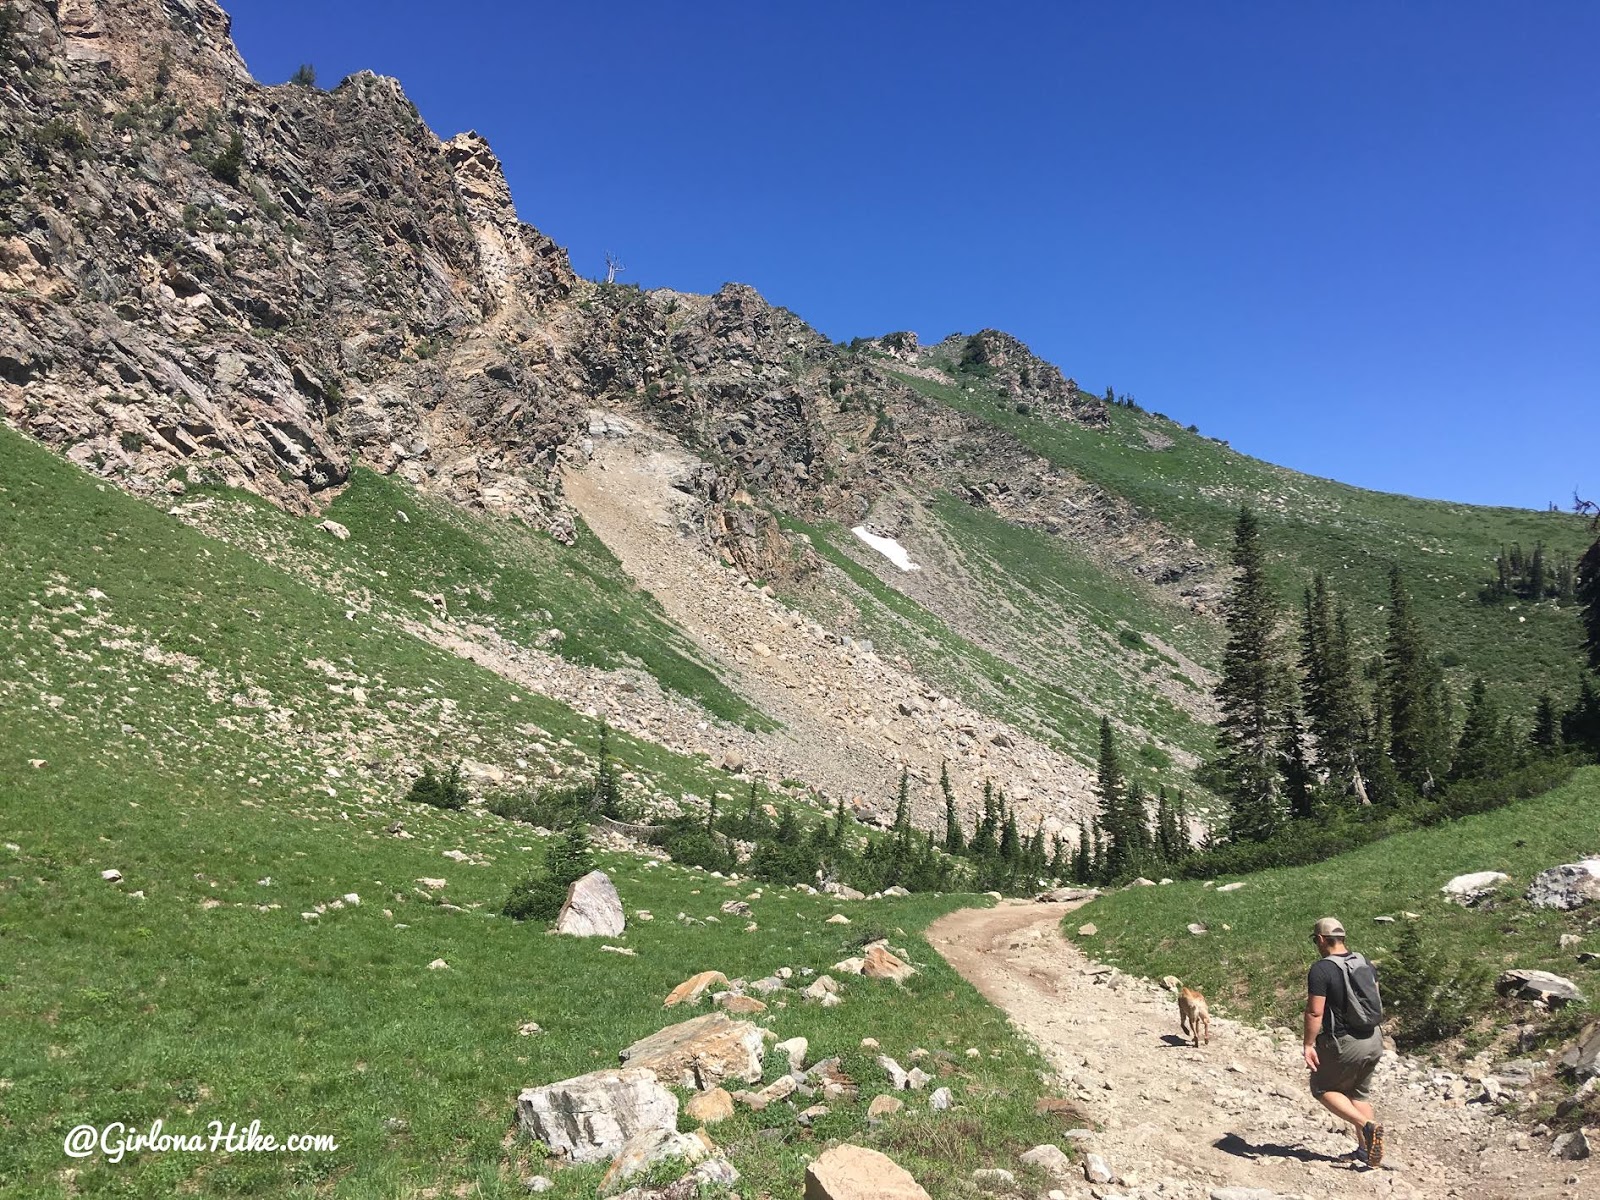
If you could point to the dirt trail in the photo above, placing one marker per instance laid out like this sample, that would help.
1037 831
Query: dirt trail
1177 1121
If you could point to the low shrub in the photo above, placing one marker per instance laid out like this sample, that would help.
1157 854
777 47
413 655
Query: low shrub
539 896
1432 995
440 791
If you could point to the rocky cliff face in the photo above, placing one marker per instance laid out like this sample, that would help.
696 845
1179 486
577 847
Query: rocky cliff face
202 277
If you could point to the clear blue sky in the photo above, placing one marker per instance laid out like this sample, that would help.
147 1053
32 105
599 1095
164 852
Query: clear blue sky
1361 240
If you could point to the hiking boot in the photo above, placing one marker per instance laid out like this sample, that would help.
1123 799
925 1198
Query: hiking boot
1372 1142
1357 1156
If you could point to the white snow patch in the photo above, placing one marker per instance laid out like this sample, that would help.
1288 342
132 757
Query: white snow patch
888 547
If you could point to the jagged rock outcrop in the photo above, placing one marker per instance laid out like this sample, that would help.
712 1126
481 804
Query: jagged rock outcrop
202 277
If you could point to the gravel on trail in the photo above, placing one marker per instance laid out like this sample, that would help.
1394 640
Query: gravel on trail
1178 1121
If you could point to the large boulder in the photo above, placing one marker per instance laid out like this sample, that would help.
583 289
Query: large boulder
593 908
1582 1058
700 1053
1541 986
855 1173
878 963
1471 888
590 1117
1566 887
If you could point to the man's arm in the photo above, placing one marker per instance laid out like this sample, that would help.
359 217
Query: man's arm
1314 1007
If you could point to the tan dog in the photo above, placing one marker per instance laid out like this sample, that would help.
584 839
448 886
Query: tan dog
1194 1018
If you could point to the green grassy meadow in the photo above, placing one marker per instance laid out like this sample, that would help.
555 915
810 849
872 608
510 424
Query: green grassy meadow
1253 960
234 742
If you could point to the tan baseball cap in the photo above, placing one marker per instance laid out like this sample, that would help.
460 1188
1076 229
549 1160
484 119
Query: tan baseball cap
1328 927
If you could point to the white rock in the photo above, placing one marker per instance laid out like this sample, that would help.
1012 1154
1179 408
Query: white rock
593 908
439 964
941 1099
1465 889
111 876
337 530
590 1117
1051 1158
795 1051
1096 1169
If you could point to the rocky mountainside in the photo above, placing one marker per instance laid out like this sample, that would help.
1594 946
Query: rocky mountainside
205 280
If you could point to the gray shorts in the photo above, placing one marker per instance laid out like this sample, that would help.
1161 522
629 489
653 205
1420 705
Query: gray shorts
1346 1064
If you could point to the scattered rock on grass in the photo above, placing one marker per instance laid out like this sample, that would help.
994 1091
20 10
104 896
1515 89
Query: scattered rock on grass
593 908
590 1117
710 1106
880 964
1540 986
795 1051
701 1052
1049 1158
692 988
1582 1058
1566 887
1469 889
650 1146
855 1173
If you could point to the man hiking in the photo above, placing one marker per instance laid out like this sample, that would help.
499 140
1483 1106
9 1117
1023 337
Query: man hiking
1342 1040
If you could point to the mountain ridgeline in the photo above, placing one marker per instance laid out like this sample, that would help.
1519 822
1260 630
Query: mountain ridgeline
643 503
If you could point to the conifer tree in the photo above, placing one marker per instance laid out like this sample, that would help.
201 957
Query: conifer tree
1034 856
1580 725
1331 691
1060 860
985 839
1479 752
607 794
1166 828
755 821
1109 790
1546 735
1251 694
1587 592
1296 771
838 823
1383 782
1010 842
1414 695
902 815
1080 858
1181 817
711 816
954 841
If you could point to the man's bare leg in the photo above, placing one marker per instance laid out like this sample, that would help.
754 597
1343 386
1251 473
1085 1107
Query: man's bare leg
1355 1112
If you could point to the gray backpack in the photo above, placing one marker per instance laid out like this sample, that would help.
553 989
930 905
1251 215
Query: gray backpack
1363 1006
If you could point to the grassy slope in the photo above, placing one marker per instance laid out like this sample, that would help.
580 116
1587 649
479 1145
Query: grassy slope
489 571
191 734
1024 670
1256 966
1195 486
